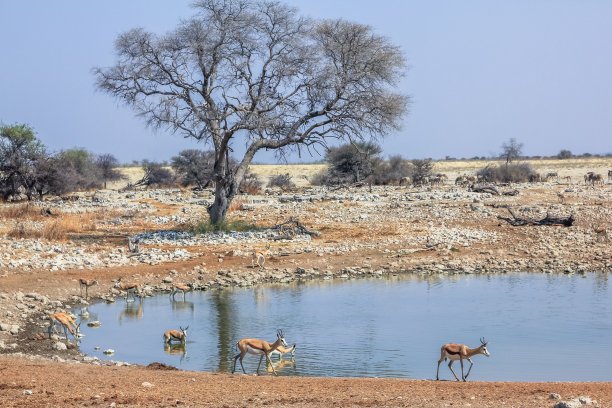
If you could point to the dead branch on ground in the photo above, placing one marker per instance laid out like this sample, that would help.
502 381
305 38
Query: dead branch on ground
292 227
549 220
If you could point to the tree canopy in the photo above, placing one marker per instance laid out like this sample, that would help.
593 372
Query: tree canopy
258 73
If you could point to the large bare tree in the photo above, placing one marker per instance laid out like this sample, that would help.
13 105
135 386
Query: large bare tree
256 72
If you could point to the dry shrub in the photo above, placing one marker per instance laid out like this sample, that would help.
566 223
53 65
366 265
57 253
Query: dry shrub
21 212
235 205
54 228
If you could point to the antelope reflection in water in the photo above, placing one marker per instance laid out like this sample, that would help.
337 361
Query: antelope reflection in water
280 365
132 311
175 349
178 305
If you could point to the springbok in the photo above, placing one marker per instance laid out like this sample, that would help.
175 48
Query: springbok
261 347
67 323
181 336
86 283
257 256
280 350
181 288
129 288
601 231
609 175
461 352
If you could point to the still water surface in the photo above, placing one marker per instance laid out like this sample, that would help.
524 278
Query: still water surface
539 327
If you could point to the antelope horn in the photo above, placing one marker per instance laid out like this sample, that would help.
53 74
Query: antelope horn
482 340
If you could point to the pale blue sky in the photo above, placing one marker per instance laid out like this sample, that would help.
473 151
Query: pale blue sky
481 72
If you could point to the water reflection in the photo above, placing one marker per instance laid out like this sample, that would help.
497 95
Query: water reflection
179 305
132 311
176 349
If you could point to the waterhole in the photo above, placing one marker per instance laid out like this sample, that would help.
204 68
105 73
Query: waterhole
539 327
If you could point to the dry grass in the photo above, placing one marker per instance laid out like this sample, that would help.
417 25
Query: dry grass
26 221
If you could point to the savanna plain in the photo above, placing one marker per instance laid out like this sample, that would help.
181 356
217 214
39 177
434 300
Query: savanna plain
360 232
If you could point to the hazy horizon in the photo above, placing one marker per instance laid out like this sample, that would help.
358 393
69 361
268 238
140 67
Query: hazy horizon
480 73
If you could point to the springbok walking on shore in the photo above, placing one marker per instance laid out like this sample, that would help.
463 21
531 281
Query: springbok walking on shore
461 352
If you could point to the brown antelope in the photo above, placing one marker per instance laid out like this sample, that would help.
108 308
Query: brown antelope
256 257
181 288
68 324
587 177
129 288
181 336
86 283
280 350
568 179
561 197
601 231
261 347
461 352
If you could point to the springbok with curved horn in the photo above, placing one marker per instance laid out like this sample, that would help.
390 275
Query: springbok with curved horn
261 347
181 288
181 336
133 288
461 352
86 283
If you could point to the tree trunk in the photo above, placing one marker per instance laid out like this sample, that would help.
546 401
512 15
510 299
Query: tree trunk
225 190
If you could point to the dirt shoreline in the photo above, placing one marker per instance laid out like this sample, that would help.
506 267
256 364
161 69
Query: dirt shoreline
443 230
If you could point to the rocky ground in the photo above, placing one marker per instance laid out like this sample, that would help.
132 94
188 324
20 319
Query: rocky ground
444 230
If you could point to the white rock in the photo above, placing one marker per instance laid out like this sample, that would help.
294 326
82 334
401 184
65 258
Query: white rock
147 384
59 346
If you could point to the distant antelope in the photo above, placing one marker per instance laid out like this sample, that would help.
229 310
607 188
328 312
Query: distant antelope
609 175
561 197
596 178
587 177
258 256
133 246
261 347
86 283
568 179
181 288
553 175
181 336
133 288
461 352
601 231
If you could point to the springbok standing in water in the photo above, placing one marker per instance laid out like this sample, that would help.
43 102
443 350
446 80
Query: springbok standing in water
461 352
261 347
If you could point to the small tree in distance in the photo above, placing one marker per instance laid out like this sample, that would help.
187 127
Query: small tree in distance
422 169
107 164
511 150
565 154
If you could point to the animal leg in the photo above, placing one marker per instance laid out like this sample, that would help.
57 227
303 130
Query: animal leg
462 376
271 365
438 370
451 368
470 369
260 358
